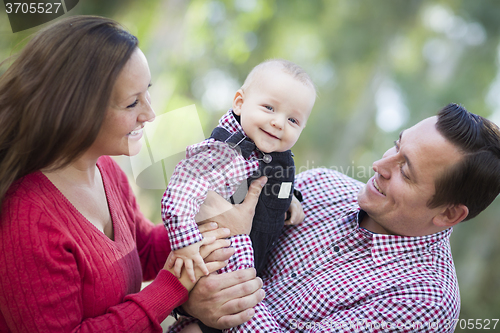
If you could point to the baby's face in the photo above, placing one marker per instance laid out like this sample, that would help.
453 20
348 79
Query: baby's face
274 109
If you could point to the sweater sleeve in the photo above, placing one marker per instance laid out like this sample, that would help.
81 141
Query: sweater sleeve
59 274
41 282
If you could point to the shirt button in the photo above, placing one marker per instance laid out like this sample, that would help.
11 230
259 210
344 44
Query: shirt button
336 248
293 275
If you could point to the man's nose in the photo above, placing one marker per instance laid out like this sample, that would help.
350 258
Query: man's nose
384 166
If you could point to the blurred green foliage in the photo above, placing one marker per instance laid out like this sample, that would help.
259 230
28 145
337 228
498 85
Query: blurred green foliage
379 66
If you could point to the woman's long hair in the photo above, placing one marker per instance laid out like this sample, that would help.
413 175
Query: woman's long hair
53 98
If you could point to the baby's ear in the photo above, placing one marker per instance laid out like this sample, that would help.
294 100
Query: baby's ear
238 102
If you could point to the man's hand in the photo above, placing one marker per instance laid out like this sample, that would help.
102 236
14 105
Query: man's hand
225 300
295 212
238 218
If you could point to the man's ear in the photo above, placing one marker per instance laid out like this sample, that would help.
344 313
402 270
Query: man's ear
451 215
238 100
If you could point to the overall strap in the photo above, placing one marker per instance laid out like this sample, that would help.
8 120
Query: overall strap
234 140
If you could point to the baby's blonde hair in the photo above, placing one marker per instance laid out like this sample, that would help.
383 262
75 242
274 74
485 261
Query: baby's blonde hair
288 67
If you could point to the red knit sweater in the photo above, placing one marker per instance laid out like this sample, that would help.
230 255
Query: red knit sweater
59 273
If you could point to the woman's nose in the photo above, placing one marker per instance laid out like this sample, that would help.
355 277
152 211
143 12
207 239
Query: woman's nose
148 114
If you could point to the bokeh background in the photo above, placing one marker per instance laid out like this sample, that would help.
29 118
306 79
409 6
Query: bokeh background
379 66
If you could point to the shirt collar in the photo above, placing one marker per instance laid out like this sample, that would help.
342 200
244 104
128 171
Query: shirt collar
388 247
230 123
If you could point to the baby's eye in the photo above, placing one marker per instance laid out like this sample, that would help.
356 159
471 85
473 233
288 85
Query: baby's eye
293 120
270 108
133 104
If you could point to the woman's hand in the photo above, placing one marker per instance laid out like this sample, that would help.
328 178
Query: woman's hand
217 242
238 218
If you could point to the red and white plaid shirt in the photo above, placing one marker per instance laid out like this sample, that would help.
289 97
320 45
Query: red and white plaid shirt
329 274
209 166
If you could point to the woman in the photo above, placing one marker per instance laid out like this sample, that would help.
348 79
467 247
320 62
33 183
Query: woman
74 245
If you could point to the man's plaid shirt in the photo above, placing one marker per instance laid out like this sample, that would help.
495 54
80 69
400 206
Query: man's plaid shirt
209 166
328 274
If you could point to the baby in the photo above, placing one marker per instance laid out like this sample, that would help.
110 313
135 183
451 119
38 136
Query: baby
253 139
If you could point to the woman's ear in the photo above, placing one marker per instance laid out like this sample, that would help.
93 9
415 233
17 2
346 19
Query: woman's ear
451 215
238 102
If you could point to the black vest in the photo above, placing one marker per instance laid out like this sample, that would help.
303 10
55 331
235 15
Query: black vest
275 197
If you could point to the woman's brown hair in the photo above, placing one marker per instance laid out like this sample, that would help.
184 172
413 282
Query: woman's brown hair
54 96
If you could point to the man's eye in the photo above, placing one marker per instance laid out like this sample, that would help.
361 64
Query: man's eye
133 104
270 108
396 145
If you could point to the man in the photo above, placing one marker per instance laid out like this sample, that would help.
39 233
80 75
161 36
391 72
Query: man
377 257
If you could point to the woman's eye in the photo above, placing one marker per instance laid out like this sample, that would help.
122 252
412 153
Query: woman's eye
133 104
270 108
402 171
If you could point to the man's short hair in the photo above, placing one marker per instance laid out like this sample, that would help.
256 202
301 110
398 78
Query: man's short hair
475 180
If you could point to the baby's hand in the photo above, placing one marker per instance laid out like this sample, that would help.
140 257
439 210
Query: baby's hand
188 257
295 214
